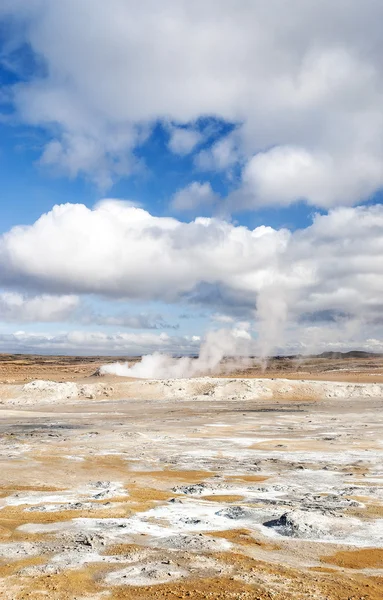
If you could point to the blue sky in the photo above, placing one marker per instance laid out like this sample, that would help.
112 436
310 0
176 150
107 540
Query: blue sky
230 163
31 189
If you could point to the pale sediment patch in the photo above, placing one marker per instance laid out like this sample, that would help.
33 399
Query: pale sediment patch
99 490
18 550
201 388
52 392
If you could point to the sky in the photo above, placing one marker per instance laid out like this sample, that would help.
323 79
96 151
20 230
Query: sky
172 168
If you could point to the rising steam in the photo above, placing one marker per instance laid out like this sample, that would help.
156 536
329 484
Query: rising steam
234 344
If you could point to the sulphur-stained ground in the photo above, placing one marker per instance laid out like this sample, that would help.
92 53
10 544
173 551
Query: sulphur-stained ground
206 488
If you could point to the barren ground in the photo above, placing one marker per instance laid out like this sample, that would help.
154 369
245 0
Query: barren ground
17 368
250 488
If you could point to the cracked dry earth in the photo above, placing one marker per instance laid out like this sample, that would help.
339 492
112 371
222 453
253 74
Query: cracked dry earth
164 499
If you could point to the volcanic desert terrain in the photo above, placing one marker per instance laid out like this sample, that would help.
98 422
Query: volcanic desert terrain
262 484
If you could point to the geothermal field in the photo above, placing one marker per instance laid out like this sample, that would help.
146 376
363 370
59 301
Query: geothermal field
260 484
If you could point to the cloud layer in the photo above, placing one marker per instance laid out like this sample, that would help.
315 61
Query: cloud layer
330 272
18 308
98 343
121 251
303 82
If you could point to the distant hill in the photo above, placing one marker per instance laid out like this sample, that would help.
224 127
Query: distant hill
351 354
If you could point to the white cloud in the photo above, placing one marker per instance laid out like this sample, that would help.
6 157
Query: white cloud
15 307
46 308
222 155
285 174
332 271
183 141
222 318
194 196
122 251
302 340
278 70
102 158
337 337
94 343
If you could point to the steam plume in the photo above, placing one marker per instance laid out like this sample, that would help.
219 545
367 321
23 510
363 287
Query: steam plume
234 343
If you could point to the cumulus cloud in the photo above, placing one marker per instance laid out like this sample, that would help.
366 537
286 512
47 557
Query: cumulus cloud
194 196
124 252
285 174
340 256
101 158
183 140
221 156
306 95
15 307
330 271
